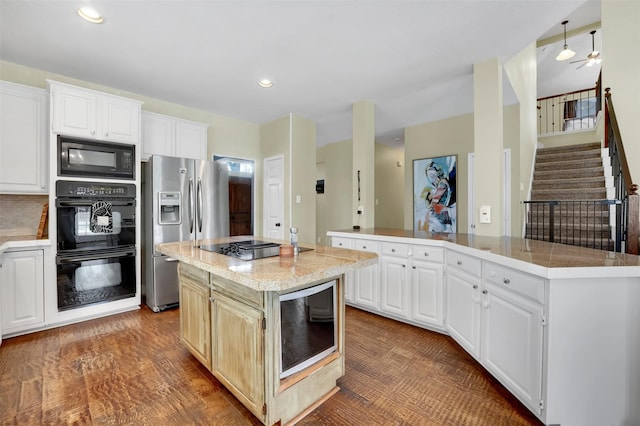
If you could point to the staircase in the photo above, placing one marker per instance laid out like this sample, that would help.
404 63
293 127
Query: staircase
569 197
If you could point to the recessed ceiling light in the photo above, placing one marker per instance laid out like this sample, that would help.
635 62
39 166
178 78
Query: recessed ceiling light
90 15
265 83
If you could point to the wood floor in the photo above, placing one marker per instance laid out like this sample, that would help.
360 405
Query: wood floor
131 369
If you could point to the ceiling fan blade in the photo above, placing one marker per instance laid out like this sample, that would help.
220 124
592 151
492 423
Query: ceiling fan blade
580 66
579 60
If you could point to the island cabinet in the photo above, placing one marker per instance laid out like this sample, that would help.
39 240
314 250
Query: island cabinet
237 337
195 312
426 275
90 114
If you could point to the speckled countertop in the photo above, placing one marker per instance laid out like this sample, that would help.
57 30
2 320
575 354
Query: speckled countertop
549 260
272 273
12 242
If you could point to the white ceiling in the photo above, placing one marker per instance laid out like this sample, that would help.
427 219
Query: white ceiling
413 59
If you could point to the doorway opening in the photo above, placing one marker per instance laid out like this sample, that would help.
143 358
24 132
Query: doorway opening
241 183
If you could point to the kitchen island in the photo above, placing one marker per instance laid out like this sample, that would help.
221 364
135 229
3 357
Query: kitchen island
557 325
230 320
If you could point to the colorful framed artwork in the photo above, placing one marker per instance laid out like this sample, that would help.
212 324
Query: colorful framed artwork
434 194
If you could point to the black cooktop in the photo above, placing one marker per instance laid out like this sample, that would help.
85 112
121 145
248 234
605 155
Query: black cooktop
248 249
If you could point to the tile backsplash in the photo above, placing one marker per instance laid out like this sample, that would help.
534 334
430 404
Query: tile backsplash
20 214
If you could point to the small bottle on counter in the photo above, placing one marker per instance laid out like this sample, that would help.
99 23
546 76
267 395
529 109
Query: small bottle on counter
294 240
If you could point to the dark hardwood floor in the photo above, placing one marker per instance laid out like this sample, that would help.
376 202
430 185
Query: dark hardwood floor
132 369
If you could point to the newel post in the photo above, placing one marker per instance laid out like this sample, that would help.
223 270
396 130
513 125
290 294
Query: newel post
633 230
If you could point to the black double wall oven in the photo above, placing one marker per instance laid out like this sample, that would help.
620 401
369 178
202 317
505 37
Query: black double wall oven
96 242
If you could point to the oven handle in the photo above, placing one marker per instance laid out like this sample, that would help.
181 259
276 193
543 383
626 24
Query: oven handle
101 256
60 203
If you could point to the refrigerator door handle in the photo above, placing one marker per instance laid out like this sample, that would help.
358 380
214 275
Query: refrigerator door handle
190 205
199 206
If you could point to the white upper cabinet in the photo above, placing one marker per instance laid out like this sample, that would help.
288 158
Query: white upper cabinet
94 115
165 135
23 139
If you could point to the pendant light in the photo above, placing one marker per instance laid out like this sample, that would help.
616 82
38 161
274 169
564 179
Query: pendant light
566 52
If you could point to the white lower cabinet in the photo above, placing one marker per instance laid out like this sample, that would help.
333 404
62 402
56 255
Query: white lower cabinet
22 287
394 286
463 301
349 277
427 293
365 280
512 331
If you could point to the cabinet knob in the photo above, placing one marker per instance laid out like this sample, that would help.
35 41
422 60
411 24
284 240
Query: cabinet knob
459 262
506 280
364 247
426 253
484 291
475 286
404 266
393 250
340 244
106 133
93 132
413 267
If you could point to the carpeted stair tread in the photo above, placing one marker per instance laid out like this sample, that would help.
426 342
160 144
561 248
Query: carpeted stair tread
568 156
568 194
575 183
569 165
571 148
568 173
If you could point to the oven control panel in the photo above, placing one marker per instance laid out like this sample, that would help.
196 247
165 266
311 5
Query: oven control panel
66 188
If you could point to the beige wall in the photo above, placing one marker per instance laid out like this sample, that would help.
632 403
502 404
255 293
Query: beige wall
621 71
363 119
334 164
511 141
389 201
452 136
303 167
521 70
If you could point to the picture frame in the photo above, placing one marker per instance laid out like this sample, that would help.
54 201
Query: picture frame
434 194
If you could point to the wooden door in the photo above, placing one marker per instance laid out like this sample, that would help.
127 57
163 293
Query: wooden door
240 206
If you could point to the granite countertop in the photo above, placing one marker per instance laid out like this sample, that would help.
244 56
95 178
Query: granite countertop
9 242
272 273
538 257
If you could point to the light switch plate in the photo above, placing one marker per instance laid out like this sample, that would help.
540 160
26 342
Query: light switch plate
485 214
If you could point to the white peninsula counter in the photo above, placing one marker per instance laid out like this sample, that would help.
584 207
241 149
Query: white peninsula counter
557 325
239 318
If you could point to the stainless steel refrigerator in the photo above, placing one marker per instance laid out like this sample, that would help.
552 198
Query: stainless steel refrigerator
184 200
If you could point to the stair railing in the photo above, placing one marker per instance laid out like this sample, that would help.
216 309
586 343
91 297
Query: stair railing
628 219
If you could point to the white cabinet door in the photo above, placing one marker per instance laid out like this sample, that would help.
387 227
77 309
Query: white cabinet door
120 120
349 277
24 139
463 309
158 136
22 287
394 286
512 343
74 112
94 115
427 293
191 140
366 279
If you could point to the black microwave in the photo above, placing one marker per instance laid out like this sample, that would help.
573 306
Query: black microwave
98 159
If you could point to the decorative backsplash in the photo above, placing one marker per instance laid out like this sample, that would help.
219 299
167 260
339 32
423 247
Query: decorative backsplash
20 214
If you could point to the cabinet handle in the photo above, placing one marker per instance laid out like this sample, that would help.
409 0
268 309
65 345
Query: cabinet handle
459 262
506 280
